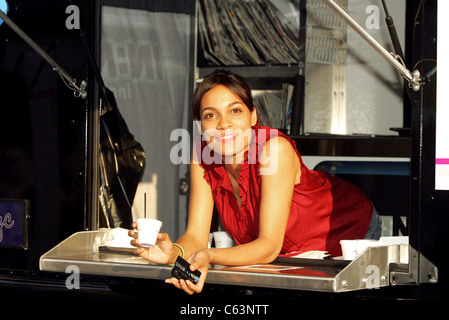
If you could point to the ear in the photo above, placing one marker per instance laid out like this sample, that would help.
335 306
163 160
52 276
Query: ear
253 117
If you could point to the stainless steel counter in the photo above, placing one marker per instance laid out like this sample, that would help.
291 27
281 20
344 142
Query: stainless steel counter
375 267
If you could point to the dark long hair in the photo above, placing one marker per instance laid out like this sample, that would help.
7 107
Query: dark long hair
232 81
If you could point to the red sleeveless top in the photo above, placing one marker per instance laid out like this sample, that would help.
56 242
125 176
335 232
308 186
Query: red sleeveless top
324 209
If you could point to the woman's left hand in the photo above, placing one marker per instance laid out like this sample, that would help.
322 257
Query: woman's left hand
198 261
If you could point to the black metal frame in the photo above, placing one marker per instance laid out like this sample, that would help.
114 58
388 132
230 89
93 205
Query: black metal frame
429 208
93 24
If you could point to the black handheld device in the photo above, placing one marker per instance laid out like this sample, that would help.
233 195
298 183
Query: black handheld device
181 270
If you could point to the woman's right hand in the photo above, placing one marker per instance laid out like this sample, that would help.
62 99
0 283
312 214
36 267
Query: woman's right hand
161 253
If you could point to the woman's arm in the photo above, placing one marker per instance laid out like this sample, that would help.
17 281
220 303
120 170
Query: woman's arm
196 237
276 196
201 205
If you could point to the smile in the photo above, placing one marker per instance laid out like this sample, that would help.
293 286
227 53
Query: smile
226 138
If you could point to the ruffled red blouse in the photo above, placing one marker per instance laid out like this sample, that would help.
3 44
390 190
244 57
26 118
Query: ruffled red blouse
324 209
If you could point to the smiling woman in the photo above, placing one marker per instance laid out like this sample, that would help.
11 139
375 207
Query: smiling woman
226 123
285 211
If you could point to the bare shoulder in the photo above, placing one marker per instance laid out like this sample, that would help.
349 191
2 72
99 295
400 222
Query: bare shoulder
279 146
278 153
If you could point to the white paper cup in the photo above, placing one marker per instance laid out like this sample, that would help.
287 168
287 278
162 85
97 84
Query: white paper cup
223 239
351 249
211 238
147 230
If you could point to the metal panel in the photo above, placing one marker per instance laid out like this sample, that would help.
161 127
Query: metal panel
371 269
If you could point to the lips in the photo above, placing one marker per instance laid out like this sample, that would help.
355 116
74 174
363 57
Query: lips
227 138
224 138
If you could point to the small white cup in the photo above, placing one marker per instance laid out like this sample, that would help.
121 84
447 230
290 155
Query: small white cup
351 249
223 239
147 230
211 237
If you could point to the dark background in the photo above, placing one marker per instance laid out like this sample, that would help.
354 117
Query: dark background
43 155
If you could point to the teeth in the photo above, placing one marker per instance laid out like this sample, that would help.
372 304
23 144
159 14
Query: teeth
227 137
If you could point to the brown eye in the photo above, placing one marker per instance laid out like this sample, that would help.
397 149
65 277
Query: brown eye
208 116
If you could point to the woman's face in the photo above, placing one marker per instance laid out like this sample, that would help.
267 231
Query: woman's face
226 122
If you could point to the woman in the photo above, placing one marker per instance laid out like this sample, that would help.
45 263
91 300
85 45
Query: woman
268 200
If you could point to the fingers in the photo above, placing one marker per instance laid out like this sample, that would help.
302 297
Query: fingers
193 266
134 242
186 285
132 233
162 236
141 251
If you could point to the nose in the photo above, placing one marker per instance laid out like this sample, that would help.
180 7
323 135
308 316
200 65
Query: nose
224 123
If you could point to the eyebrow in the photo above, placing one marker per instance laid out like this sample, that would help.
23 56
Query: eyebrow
229 105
